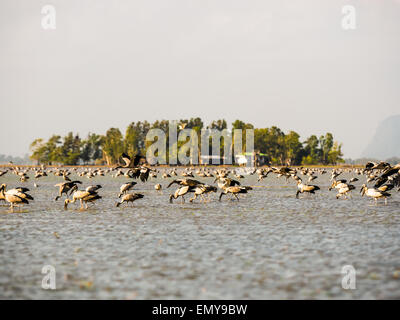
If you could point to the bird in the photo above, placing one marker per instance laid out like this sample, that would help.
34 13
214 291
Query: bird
337 184
129 162
234 191
373 165
65 187
227 182
185 182
130 197
387 172
344 190
311 178
144 174
153 174
126 187
158 187
374 193
16 196
166 175
83 196
201 190
301 188
93 188
180 192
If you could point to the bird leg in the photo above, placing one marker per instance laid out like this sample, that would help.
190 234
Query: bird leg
194 198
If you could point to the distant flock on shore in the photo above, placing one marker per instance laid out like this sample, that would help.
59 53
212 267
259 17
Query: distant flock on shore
382 177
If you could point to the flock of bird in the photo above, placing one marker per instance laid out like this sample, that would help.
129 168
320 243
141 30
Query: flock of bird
384 177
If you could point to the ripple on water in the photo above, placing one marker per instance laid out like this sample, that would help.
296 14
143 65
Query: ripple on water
269 245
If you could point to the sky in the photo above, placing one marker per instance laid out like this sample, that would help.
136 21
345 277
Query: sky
284 63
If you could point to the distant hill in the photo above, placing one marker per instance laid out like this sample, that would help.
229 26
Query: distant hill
386 141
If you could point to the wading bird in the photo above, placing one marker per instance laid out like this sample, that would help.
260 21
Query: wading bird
234 191
344 190
16 196
301 188
185 182
126 187
65 187
93 188
130 197
83 196
180 192
201 190
374 193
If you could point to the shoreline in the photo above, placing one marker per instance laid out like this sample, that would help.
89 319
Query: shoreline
166 166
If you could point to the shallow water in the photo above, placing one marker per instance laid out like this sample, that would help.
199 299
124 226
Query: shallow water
269 245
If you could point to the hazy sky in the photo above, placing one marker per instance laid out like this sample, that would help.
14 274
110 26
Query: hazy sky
284 63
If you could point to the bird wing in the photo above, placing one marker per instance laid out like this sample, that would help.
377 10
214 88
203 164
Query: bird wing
136 160
181 191
235 182
126 159
172 182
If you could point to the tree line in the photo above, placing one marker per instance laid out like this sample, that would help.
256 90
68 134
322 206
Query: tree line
277 147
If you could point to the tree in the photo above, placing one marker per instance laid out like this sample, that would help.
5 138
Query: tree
132 140
91 148
38 149
70 150
278 147
326 144
335 154
113 145
294 148
312 151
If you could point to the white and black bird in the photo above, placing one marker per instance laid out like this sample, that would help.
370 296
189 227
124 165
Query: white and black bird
126 187
130 197
16 196
129 162
83 196
374 193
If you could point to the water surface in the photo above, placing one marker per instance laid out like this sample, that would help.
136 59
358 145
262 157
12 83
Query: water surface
269 245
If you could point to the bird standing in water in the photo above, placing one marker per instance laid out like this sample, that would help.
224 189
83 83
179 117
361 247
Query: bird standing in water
130 197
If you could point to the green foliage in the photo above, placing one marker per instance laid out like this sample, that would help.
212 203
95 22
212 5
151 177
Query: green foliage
113 145
91 148
279 148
